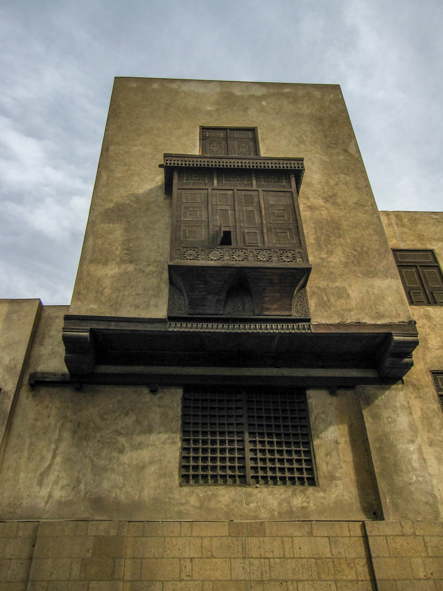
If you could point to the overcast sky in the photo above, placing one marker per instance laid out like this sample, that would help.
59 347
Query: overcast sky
57 64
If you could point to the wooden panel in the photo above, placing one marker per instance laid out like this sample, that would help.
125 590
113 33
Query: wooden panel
413 285
438 379
434 283
192 217
214 142
281 224
222 213
249 218
234 178
242 142
195 177
229 142
273 179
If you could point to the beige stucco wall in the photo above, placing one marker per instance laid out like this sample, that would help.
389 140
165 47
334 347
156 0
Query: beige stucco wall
18 319
110 452
123 269
113 452
405 422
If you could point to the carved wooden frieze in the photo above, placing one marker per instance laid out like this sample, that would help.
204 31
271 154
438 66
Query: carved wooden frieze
231 254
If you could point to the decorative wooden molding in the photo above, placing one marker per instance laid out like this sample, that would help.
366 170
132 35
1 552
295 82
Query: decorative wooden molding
205 286
247 327
229 254
396 360
136 350
171 161
79 350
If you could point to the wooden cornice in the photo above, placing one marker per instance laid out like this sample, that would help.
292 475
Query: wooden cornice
172 161
273 351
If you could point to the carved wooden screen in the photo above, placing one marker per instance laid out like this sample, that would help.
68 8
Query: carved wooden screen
223 141
237 233
421 277
225 201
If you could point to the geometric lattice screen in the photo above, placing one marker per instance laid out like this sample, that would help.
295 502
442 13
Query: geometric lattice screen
246 437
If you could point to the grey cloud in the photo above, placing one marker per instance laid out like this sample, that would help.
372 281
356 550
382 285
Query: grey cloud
58 60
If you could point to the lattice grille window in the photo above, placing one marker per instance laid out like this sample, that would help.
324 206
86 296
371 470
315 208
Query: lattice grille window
246 437
421 277
438 382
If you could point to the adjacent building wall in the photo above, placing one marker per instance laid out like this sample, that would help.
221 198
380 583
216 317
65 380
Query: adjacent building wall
405 421
18 320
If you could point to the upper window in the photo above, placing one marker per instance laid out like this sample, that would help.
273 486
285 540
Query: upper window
438 382
255 437
229 141
421 277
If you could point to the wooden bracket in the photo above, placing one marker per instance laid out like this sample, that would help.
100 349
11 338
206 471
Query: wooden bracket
79 350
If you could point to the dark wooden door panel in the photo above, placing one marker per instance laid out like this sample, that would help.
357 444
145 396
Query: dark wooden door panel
222 214
192 217
249 218
280 218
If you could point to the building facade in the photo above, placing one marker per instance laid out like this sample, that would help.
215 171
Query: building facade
245 390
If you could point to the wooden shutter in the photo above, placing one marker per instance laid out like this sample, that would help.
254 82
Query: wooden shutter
249 217
214 142
434 283
281 223
413 286
219 141
223 214
192 214
421 276
241 142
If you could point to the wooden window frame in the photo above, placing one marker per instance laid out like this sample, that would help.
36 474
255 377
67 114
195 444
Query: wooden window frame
246 437
418 262
236 128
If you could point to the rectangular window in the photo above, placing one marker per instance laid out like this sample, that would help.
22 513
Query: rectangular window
438 382
246 437
232 141
421 277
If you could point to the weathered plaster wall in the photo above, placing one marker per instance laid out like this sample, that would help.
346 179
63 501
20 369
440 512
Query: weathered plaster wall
18 319
405 422
113 453
123 269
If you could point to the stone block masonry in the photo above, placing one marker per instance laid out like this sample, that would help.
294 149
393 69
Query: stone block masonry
221 556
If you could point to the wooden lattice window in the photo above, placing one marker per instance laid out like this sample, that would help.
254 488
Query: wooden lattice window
421 277
246 437
229 141
438 382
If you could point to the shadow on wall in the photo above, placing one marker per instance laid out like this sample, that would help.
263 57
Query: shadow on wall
340 437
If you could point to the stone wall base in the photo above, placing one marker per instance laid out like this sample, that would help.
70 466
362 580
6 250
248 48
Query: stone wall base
221 556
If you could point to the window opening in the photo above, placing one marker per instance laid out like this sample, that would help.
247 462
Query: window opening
246 437
421 277
226 239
